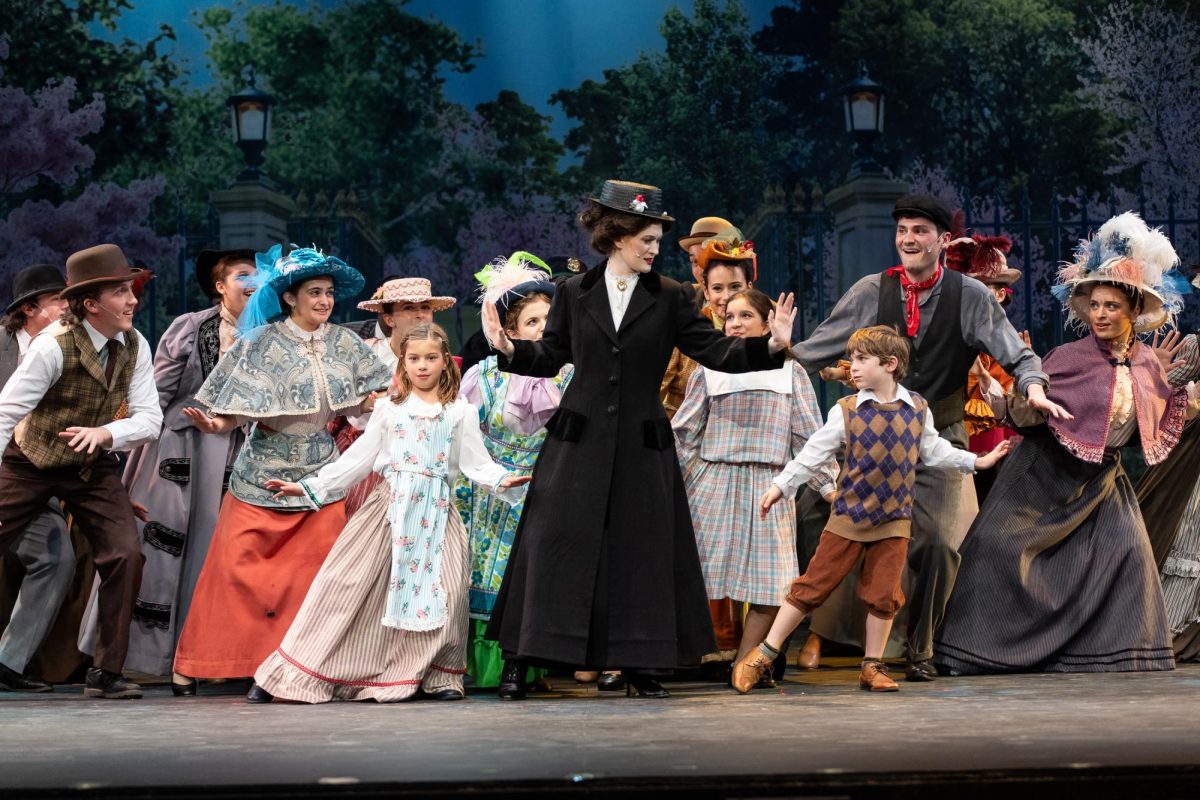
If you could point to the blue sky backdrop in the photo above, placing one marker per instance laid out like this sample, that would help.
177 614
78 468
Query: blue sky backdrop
533 47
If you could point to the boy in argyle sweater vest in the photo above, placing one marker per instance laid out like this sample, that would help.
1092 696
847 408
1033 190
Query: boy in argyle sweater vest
885 429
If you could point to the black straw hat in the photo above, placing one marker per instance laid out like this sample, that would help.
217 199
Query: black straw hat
33 281
639 199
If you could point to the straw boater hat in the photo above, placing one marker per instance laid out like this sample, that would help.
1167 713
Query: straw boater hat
983 258
32 281
639 199
1125 251
405 290
706 228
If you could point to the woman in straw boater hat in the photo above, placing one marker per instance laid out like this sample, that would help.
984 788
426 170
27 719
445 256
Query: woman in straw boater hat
513 410
181 477
1057 573
85 387
604 570
288 375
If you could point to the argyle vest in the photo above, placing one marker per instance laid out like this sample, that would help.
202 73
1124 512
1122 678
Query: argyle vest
875 487
81 397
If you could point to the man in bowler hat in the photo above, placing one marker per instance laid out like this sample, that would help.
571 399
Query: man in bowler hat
949 321
84 388
44 549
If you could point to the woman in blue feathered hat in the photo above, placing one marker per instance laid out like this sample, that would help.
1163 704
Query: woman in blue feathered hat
289 374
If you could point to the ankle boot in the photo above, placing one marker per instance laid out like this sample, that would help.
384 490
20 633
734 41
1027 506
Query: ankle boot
512 680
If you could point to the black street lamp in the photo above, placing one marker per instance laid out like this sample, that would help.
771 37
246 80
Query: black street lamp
864 119
251 112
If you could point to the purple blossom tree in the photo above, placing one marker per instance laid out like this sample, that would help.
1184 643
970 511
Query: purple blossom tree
41 139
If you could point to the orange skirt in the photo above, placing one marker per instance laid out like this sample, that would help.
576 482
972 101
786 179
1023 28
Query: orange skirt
259 567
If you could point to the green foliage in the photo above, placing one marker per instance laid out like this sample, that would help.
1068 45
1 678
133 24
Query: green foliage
691 119
49 39
360 105
988 90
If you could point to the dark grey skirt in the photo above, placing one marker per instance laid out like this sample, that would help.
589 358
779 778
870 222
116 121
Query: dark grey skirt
1057 573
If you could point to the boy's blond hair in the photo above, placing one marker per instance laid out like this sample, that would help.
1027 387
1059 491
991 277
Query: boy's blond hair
883 342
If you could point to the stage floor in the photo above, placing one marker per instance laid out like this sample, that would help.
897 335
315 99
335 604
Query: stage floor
817 735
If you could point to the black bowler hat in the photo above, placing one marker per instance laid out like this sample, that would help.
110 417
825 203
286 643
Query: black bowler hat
206 262
35 280
927 206
639 199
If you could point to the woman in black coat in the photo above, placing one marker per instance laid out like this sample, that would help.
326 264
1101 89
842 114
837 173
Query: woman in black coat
604 570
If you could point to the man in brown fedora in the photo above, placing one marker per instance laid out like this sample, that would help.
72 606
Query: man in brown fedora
85 387
44 549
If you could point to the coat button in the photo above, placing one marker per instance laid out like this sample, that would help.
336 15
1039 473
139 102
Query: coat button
612 379
616 350
612 409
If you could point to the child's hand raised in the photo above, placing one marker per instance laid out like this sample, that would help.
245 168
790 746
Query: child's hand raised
770 497
998 452
515 480
283 488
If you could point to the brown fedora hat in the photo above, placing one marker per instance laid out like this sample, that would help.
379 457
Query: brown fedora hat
95 266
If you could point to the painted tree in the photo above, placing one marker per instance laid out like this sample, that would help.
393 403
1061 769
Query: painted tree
42 147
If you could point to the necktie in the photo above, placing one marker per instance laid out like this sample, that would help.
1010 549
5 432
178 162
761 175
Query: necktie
912 309
114 349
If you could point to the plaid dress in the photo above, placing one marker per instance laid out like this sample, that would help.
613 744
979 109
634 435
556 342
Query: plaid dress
730 447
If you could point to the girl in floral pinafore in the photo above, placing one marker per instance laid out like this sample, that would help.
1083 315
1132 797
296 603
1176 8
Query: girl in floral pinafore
387 614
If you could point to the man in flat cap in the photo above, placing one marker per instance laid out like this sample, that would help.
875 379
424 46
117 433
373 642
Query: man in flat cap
44 549
85 387
949 321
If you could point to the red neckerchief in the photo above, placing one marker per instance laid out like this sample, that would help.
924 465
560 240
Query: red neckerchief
912 310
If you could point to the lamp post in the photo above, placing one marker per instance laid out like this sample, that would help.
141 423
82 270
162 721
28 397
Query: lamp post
863 100
251 116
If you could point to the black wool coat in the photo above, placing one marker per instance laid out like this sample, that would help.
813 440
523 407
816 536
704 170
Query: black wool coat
604 569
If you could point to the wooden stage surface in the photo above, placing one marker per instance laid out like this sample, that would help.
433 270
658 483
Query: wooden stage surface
818 735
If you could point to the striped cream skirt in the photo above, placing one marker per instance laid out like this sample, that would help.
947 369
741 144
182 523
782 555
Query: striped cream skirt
338 649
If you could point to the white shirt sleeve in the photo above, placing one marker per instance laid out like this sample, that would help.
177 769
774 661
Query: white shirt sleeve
817 452
475 462
144 423
353 465
937 452
40 369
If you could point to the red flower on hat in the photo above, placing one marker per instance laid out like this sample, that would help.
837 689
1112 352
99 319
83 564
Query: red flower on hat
638 204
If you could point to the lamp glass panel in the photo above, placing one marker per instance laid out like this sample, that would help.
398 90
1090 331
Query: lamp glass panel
862 111
254 121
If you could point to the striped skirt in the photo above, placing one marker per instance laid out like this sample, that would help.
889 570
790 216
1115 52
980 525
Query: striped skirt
1057 573
744 558
338 649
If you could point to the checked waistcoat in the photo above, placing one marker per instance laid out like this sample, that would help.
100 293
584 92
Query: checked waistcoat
80 397
875 488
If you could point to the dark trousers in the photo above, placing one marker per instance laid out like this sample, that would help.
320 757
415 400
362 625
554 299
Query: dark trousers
101 508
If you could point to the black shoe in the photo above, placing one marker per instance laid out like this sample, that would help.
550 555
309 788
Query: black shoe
449 693
921 671
13 681
258 694
185 689
109 685
644 686
766 681
512 681
610 682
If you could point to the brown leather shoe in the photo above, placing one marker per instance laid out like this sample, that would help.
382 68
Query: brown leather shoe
874 678
748 670
810 654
